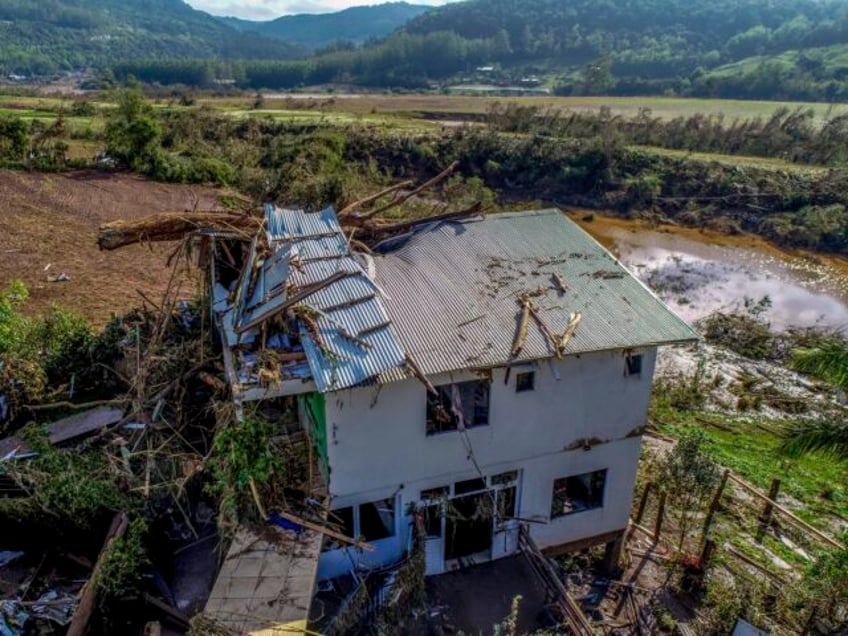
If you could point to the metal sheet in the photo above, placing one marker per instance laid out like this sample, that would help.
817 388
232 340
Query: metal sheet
452 292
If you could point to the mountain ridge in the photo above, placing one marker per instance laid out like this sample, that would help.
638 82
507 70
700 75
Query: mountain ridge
314 31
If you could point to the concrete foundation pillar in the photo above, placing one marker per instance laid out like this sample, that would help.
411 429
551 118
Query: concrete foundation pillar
612 556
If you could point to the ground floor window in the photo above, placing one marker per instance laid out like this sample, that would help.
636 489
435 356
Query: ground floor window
578 493
370 521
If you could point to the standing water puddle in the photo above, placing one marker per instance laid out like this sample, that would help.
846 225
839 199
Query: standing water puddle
698 272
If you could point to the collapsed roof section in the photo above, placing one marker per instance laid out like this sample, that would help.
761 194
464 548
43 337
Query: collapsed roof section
303 309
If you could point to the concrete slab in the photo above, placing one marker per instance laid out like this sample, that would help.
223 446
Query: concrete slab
479 597
265 585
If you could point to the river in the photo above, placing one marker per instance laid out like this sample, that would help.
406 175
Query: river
697 272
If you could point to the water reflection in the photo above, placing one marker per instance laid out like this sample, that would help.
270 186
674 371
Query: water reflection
696 278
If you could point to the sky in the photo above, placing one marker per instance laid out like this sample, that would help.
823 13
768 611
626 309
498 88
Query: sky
270 9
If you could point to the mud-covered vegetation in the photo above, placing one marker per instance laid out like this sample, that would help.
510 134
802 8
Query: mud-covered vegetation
682 170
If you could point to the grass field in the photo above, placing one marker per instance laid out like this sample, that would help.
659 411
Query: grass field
401 110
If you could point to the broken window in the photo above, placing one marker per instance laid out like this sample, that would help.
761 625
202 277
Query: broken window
434 494
506 503
503 479
377 519
633 364
342 520
469 485
525 381
578 493
458 406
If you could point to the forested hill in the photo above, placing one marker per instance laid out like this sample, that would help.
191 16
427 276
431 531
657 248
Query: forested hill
45 36
356 24
632 45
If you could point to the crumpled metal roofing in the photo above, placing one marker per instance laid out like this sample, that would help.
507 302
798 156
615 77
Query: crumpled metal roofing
358 341
452 292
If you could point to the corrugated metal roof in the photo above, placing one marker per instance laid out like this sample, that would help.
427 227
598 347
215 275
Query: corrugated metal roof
357 343
452 291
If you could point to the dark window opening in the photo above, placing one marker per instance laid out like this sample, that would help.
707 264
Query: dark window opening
578 493
456 406
634 364
525 381
470 485
434 494
377 519
342 520
503 479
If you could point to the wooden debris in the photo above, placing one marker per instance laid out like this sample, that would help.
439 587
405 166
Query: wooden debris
353 207
568 334
309 525
88 594
173 226
560 283
521 331
418 373
444 174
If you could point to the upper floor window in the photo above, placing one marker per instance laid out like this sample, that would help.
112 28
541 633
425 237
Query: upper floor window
457 406
525 381
633 364
578 493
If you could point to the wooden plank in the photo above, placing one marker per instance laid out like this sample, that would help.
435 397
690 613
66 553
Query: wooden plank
798 522
88 594
327 531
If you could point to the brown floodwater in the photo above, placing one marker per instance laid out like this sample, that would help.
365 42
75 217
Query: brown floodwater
697 272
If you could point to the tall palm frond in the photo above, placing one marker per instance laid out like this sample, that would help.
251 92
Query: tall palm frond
828 435
828 362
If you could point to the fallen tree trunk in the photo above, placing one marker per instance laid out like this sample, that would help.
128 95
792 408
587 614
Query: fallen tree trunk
171 226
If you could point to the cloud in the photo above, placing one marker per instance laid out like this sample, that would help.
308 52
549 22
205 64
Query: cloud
270 9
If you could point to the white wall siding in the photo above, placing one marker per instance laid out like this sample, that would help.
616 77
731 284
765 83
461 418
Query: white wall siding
377 436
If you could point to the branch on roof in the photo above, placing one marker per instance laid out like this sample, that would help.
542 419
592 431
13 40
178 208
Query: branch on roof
173 226
353 207
444 174
381 231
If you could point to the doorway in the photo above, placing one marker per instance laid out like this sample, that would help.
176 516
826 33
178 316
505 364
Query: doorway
468 526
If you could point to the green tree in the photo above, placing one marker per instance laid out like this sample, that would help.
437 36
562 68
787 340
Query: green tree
688 476
14 138
132 131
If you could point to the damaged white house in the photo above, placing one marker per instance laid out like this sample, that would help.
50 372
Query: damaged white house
486 373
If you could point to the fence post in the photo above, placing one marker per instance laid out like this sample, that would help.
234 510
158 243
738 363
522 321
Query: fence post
660 515
643 501
765 517
716 499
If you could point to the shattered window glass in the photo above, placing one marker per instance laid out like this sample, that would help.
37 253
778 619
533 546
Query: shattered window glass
377 519
578 493
342 519
458 406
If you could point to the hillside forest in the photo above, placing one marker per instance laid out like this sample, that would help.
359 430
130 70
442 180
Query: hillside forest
757 49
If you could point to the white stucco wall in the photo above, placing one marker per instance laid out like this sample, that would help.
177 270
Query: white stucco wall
378 446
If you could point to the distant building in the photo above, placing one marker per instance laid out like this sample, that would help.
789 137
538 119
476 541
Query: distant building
486 373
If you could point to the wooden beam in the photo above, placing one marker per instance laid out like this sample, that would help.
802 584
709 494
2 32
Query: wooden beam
798 522
88 593
327 531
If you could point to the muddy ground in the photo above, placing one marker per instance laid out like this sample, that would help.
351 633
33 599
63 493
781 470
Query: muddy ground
48 227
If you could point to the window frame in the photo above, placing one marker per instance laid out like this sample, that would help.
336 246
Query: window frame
357 522
633 364
597 500
525 374
444 401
